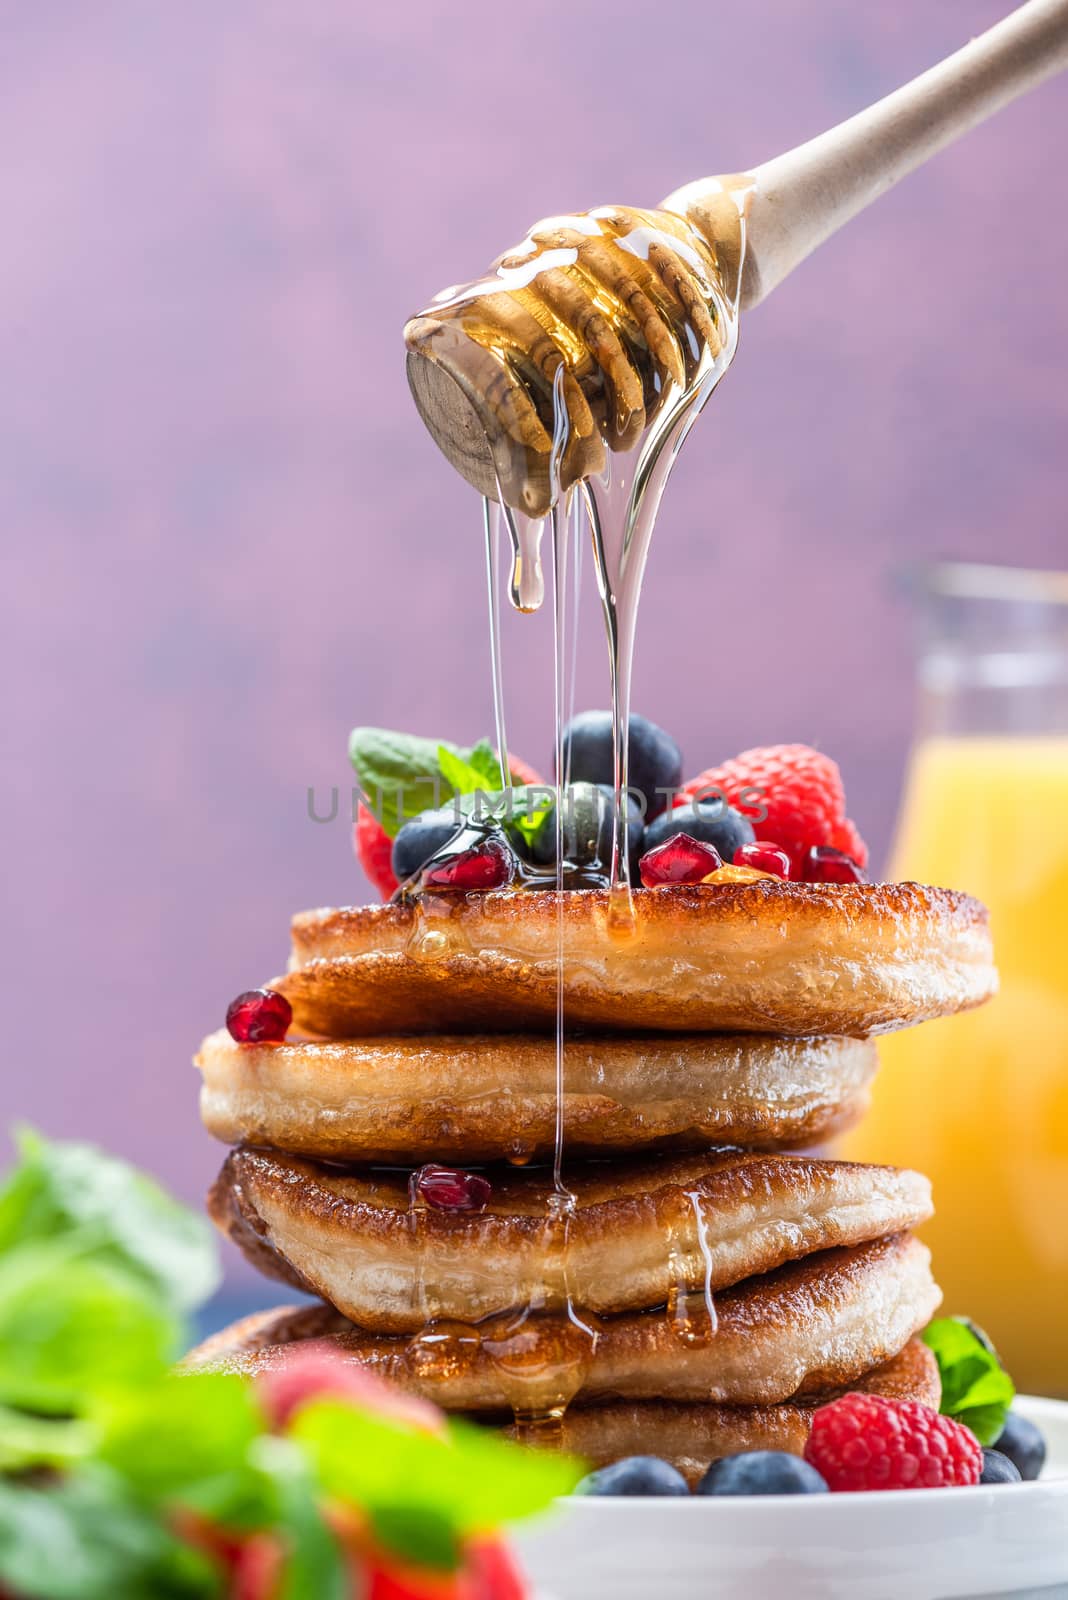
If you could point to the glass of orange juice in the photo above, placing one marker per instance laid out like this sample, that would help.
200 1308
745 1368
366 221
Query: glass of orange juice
980 1102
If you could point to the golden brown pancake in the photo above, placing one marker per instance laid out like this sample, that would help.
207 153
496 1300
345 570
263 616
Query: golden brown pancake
463 1098
633 1237
760 957
692 1436
813 1325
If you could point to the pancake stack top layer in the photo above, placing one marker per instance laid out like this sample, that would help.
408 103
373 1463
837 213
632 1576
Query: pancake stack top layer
703 1298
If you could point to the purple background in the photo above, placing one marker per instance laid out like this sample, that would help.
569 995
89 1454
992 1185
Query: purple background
227 538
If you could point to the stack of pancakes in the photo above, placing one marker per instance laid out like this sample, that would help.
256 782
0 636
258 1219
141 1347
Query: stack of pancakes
692 1290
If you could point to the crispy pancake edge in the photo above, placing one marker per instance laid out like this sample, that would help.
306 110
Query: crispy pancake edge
463 1098
767 957
633 1237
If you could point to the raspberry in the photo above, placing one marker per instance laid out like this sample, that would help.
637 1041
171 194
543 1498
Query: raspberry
314 1370
374 848
801 791
864 1441
523 773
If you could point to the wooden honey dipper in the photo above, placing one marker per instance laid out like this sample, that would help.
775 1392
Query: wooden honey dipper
609 314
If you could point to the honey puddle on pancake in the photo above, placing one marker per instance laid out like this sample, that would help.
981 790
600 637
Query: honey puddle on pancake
672 344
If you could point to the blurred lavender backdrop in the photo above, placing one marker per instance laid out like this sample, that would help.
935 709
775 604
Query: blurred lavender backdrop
227 537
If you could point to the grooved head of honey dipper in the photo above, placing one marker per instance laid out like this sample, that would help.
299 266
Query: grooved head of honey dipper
471 417
593 333
452 422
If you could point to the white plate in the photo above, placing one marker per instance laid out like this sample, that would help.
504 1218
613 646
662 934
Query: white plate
937 1544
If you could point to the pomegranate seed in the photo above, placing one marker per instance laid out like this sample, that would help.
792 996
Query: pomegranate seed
827 865
486 866
682 859
447 1189
259 1016
763 856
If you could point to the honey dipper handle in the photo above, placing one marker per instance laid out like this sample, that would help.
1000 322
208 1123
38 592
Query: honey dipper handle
804 196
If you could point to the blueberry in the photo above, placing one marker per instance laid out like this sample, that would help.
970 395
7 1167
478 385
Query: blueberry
635 1475
1024 1445
762 1472
999 1469
588 810
421 838
714 822
655 759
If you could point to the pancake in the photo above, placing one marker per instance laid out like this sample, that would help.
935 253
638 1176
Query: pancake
463 1098
813 1325
692 1436
759 957
638 1231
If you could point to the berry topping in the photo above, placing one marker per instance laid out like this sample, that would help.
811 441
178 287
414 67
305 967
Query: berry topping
422 838
763 856
493 1570
714 822
999 1469
487 865
798 790
588 817
681 860
523 774
762 1472
654 760
259 1016
448 1189
311 1371
635 1475
864 1441
827 865
1024 1445
374 851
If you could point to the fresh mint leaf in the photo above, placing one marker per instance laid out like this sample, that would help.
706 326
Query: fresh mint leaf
468 1479
504 1482
459 774
189 1436
422 1537
976 1390
531 805
29 1441
399 774
82 1538
72 1327
482 758
58 1188
314 1565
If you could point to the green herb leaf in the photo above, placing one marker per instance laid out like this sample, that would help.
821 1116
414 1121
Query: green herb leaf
72 1327
459 774
976 1390
57 1189
83 1539
422 1536
483 759
399 774
29 1441
469 1479
314 1564
188 1437
531 805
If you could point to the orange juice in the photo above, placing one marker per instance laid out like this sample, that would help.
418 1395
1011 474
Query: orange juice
980 1102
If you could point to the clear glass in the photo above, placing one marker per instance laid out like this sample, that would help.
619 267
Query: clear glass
980 1102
